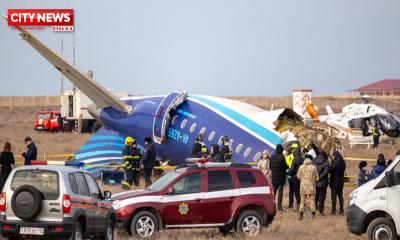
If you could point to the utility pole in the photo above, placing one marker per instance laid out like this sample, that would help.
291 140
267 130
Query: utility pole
62 55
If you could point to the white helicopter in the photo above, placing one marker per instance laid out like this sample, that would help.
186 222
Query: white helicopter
356 120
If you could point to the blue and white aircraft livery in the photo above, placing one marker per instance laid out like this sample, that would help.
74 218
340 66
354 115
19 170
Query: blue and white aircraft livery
173 120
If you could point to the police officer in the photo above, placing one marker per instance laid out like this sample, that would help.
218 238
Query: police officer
226 151
148 160
136 157
127 157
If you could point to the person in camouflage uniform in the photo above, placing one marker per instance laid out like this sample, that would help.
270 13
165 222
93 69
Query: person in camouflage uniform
307 174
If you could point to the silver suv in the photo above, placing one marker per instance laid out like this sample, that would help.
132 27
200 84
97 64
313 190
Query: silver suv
54 202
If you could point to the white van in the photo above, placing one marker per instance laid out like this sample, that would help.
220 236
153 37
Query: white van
374 208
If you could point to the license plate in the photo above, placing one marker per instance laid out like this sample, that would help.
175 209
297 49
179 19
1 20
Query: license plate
31 231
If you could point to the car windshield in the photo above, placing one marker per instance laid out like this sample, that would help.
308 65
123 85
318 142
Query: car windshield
164 181
43 180
44 115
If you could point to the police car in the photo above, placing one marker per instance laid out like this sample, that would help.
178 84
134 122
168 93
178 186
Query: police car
54 202
230 196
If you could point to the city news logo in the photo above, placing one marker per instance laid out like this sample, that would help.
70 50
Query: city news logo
60 20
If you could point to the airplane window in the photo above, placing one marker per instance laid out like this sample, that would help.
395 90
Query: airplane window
211 136
193 127
239 148
183 124
174 120
202 130
247 152
257 156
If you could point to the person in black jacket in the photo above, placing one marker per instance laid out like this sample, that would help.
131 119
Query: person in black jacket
337 181
6 160
196 148
278 168
297 162
31 153
215 154
148 160
322 164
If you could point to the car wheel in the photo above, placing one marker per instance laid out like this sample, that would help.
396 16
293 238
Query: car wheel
26 202
249 224
77 233
144 225
109 234
382 229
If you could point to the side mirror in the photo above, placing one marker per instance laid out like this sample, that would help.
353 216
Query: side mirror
389 178
170 191
107 194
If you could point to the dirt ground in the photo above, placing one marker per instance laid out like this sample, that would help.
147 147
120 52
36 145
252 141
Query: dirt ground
16 123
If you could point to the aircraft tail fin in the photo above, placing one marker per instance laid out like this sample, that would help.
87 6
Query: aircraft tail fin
97 93
329 110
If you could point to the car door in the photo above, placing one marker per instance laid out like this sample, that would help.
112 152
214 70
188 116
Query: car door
184 205
220 196
394 195
84 201
100 213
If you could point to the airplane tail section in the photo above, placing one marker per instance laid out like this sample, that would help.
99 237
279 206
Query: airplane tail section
329 110
97 93
102 150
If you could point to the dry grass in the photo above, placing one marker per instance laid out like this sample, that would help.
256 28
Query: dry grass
16 123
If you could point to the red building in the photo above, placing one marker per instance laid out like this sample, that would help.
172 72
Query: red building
382 88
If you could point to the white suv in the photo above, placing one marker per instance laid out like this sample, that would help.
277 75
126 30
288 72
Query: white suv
54 202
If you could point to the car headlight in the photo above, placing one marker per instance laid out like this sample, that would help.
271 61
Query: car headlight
353 197
116 204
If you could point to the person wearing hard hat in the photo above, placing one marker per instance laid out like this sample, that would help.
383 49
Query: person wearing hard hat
127 157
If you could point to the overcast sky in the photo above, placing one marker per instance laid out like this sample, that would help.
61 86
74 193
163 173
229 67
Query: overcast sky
215 47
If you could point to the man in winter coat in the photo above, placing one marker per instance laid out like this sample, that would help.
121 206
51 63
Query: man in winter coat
196 148
337 181
379 168
307 174
278 173
297 162
31 153
322 164
148 160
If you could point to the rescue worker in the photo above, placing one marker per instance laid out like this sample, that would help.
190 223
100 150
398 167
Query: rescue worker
278 171
215 154
307 174
226 150
297 162
60 122
31 153
322 164
289 160
148 160
136 156
375 135
196 148
203 151
127 157
337 181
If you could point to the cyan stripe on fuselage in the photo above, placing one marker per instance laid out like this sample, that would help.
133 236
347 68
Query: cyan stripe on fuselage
263 132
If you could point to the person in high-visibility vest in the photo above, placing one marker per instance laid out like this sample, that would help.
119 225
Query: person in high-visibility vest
135 163
289 161
127 157
375 135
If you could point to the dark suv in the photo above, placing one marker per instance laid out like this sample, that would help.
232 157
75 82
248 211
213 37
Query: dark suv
54 202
